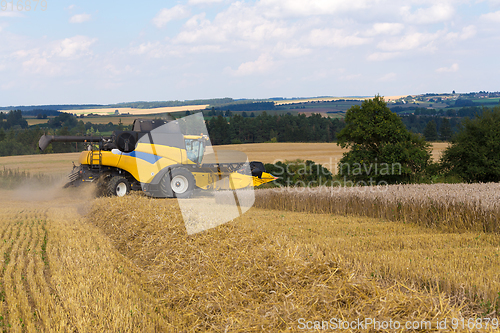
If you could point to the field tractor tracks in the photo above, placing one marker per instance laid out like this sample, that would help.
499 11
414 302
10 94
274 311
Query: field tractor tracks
25 290
58 273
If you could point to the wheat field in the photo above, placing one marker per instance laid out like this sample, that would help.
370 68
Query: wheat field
137 112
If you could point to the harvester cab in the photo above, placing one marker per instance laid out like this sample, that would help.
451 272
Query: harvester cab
161 158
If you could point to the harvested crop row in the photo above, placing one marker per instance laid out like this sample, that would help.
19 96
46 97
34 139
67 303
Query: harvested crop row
451 207
61 274
22 251
243 276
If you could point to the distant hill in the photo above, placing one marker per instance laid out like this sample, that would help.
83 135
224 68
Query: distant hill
323 104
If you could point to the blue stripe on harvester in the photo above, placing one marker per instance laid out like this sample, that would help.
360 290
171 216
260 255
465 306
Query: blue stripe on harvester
150 158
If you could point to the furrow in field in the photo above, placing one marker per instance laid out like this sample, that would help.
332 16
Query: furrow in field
4 227
27 278
52 310
11 255
98 287
37 285
5 245
19 277
36 288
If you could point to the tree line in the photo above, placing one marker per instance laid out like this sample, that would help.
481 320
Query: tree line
382 151
267 128
17 138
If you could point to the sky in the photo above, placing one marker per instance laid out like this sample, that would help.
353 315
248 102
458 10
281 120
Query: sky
103 52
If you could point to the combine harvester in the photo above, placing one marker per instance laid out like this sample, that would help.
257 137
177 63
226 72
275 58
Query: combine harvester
160 159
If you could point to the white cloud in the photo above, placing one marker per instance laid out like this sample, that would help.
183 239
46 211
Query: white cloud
25 53
388 77
239 25
80 18
153 50
438 12
52 58
291 51
385 29
144 48
301 8
467 32
452 68
168 14
11 14
335 37
350 77
41 65
409 42
73 47
382 56
493 17
199 29
203 2
260 66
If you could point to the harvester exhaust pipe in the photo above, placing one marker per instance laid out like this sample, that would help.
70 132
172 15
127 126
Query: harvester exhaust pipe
46 140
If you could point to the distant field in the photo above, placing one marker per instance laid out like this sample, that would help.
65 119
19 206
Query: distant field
133 111
319 99
126 119
328 154
43 163
486 100
35 121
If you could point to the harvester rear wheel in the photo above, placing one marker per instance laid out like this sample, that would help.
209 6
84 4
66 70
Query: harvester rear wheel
177 183
118 186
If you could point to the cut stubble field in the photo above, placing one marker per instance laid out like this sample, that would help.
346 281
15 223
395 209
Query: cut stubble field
74 263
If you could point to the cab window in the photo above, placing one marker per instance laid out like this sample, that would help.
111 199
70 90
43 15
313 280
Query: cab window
194 150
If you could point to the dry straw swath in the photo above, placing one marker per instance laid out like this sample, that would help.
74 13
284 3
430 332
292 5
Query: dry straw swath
243 276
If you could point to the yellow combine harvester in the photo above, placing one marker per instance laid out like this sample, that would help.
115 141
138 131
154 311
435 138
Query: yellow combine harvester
157 158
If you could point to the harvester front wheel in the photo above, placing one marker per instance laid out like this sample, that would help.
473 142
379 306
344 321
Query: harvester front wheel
118 186
179 182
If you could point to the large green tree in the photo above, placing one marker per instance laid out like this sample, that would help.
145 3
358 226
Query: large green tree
474 153
381 149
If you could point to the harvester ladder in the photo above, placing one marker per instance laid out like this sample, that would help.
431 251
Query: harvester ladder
93 159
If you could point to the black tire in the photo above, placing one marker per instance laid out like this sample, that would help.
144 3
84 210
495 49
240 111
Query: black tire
177 183
118 186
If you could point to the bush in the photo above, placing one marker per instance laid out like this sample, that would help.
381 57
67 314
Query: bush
474 151
299 173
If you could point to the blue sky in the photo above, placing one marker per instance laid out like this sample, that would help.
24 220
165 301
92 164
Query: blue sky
101 52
